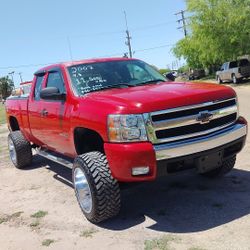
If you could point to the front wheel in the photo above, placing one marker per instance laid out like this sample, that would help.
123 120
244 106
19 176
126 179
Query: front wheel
226 167
97 192
219 80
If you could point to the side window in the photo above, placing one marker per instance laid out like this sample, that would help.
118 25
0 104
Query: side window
233 65
55 80
38 87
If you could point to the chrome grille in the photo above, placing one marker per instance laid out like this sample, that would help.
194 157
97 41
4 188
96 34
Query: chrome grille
190 121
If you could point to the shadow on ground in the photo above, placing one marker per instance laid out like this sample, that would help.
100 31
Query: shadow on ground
244 82
62 174
180 203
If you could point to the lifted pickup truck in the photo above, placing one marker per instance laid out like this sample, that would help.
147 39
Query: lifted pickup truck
118 120
234 71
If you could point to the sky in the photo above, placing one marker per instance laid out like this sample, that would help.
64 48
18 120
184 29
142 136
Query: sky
36 33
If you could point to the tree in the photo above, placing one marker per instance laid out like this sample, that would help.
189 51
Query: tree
219 31
6 87
163 71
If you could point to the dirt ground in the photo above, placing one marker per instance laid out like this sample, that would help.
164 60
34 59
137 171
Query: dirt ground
183 211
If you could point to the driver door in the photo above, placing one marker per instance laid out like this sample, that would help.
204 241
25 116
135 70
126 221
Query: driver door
55 126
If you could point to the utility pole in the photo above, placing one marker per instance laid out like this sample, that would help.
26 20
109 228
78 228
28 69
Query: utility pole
183 21
20 75
11 74
128 37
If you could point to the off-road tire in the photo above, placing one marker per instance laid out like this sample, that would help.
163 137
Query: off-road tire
104 188
226 167
22 148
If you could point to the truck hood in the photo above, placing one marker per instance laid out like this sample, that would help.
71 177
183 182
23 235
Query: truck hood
154 97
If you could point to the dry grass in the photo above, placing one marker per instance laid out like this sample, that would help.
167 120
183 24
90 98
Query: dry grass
2 114
47 242
39 214
88 233
162 243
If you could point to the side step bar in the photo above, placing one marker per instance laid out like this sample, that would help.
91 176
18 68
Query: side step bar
55 157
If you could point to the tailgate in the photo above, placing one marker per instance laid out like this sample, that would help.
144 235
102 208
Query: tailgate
245 71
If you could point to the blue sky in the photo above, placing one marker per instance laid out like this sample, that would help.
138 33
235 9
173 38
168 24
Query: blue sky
37 32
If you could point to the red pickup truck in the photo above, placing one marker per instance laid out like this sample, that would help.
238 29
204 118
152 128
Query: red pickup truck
118 120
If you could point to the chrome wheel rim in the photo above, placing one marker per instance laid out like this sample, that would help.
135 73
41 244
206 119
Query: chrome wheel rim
234 79
83 192
12 151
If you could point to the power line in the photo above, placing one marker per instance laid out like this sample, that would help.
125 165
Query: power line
183 21
25 66
156 47
108 55
153 26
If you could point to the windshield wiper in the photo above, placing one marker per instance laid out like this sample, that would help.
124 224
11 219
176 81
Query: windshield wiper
151 81
117 86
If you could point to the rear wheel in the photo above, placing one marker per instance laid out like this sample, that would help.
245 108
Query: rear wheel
235 79
97 192
226 167
19 150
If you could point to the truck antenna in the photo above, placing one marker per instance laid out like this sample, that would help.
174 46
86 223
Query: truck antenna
70 49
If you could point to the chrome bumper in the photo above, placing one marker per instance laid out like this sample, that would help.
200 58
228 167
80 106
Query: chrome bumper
192 146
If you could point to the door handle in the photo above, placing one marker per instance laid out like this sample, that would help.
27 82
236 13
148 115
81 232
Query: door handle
44 112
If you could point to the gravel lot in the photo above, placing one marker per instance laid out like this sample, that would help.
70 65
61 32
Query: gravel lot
183 211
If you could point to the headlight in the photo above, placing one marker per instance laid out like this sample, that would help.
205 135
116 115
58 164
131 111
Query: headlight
126 128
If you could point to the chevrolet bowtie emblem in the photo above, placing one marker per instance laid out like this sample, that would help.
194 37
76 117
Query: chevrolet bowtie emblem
204 117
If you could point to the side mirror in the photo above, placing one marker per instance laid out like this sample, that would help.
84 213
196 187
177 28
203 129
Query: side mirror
52 93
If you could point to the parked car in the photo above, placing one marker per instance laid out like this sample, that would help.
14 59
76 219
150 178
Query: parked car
233 71
118 120
170 75
196 74
23 90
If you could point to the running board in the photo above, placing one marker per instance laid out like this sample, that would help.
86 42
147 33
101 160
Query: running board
55 157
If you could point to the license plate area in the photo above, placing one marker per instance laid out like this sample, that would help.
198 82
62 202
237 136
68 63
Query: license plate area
209 162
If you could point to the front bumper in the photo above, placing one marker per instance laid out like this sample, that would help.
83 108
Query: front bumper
192 146
123 157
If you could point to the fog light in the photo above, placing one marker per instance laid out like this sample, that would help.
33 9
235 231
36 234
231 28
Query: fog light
140 170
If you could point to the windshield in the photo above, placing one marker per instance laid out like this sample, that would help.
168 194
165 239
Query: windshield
112 74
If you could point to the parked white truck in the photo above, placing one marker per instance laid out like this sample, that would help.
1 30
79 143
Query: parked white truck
234 71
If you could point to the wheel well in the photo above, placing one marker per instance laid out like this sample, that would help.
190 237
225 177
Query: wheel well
14 123
87 140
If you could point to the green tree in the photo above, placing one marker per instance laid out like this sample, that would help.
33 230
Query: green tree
163 71
6 87
219 30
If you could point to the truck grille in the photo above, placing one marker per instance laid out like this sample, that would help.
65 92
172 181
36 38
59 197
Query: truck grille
190 121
